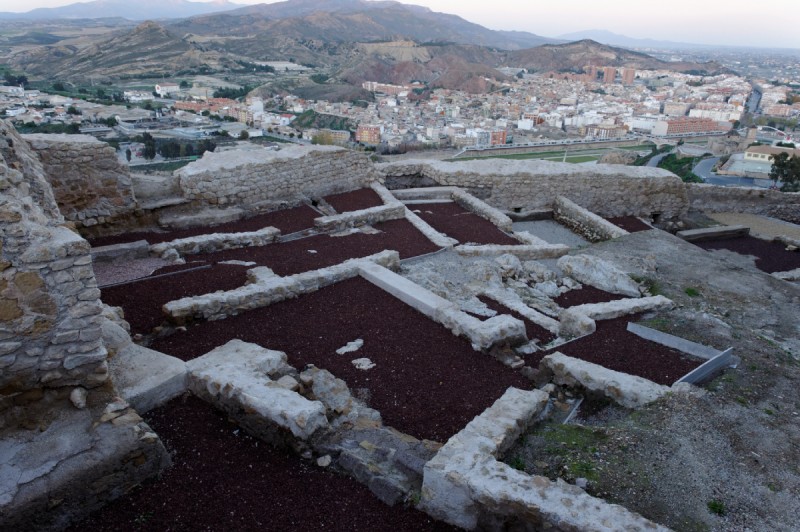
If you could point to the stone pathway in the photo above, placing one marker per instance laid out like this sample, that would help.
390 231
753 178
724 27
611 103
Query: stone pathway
759 225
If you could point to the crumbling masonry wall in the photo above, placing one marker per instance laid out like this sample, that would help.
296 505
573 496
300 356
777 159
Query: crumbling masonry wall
607 190
710 198
90 185
49 302
265 179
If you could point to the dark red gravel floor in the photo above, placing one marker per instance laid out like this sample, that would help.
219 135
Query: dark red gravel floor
771 256
287 258
533 331
613 347
142 300
363 198
287 221
631 224
427 382
587 294
456 222
223 479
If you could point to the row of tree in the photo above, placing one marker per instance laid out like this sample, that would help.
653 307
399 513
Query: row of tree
171 149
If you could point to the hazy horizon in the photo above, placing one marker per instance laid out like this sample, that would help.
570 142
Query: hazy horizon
730 23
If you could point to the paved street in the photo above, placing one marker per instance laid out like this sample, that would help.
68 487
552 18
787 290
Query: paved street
703 169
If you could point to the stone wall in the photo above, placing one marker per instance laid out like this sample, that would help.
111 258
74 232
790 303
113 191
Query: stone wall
263 178
709 198
89 183
608 190
584 222
49 301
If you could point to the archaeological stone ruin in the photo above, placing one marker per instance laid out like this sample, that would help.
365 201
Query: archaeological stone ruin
409 324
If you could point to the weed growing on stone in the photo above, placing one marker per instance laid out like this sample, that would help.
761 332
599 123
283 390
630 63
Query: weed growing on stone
517 463
691 292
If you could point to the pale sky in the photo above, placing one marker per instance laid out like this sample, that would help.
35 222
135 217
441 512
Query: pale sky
733 22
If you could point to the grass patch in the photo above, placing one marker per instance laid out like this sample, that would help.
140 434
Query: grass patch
681 167
649 283
692 292
716 506
161 167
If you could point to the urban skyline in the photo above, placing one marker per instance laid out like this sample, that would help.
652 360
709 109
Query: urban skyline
731 23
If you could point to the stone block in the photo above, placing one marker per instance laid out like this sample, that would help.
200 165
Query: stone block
231 377
627 390
145 378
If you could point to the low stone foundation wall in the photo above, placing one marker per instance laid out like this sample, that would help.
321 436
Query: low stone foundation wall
482 209
584 222
580 319
268 288
91 186
627 390
373 215
523 252
709 198
482 334
217 242
465 484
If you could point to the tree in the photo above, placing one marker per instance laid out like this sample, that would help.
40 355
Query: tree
59 86
149 146
184 84
244 135
72 110
786 170
128 154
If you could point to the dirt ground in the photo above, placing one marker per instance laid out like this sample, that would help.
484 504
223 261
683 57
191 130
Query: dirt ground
726 458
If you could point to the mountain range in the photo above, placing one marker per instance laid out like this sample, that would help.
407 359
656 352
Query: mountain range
351 40
137 10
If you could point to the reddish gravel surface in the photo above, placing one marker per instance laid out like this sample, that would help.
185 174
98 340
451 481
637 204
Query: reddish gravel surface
287 220
533 330
356 200
142 300
771 256
464 226
587 294
223 479
296 256
631 224
613 347
426 382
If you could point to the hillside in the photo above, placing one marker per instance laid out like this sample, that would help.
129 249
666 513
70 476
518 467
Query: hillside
148 49
574 56
386 20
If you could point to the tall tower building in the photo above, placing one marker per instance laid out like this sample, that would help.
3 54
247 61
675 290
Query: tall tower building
609 73
628 75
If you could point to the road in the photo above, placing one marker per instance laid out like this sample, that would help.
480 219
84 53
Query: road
753 101
657 159
703 170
